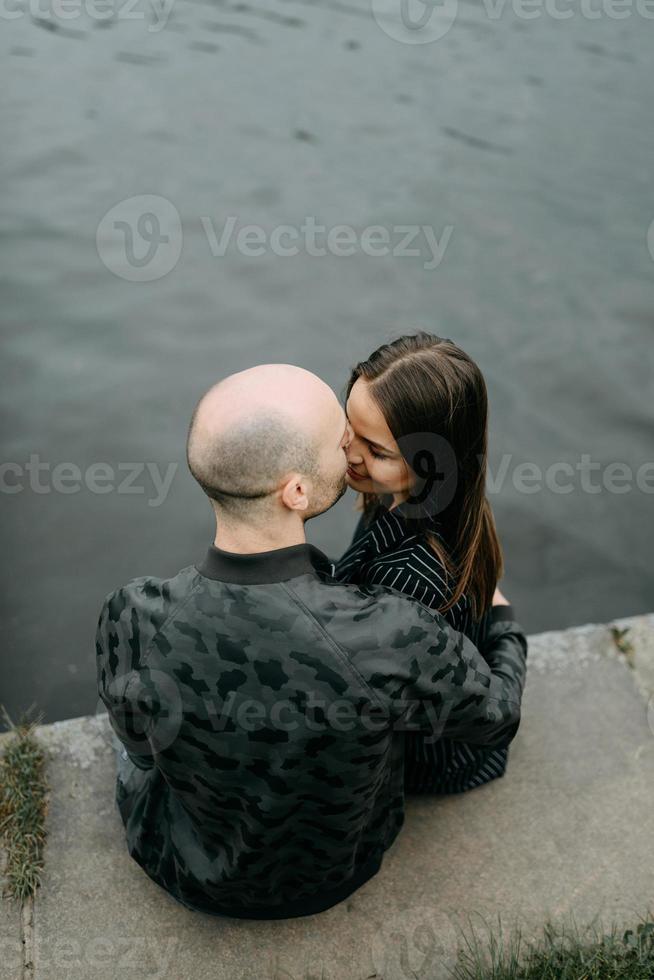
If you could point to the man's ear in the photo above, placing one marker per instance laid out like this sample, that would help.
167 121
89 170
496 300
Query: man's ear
295 492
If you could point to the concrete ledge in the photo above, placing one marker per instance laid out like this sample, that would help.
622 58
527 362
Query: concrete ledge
569 828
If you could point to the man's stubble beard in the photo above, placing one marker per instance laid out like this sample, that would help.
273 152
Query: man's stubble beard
333 493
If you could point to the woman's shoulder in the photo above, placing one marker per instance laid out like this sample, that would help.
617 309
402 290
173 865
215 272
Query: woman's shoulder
412 566
378 545
425 559
442 586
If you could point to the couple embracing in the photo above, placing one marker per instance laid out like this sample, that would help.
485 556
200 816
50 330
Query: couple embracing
271 705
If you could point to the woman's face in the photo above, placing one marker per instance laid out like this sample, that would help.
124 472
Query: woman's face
375 464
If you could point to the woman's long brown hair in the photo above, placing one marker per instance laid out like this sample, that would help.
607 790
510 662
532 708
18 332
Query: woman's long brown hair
426 384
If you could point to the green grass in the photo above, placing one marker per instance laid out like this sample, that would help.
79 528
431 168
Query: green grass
23 807
563 952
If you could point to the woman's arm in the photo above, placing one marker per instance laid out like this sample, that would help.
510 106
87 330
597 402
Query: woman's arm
426 672
499 599
501 609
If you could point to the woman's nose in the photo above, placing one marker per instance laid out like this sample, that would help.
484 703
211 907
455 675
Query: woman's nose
353 452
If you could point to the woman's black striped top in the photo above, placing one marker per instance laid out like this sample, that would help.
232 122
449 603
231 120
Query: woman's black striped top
384 551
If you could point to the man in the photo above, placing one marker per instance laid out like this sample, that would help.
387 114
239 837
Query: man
260 702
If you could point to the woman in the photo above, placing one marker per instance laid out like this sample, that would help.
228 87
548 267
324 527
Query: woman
418 413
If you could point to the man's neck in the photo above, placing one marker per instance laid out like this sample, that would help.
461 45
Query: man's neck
247 540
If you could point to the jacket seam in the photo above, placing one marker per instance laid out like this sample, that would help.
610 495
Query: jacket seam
339 650
176 608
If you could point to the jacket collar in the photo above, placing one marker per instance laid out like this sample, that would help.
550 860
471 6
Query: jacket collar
264 566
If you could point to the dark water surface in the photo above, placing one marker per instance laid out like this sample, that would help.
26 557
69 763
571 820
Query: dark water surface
532 140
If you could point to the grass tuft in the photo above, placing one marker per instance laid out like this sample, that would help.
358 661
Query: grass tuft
624 644
563 952
23 807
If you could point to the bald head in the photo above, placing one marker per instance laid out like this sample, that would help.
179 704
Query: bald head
254 429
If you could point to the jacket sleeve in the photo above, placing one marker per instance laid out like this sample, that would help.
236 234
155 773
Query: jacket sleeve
121 634
432 678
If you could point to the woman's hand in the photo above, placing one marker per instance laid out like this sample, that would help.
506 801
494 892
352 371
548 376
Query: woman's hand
499 599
